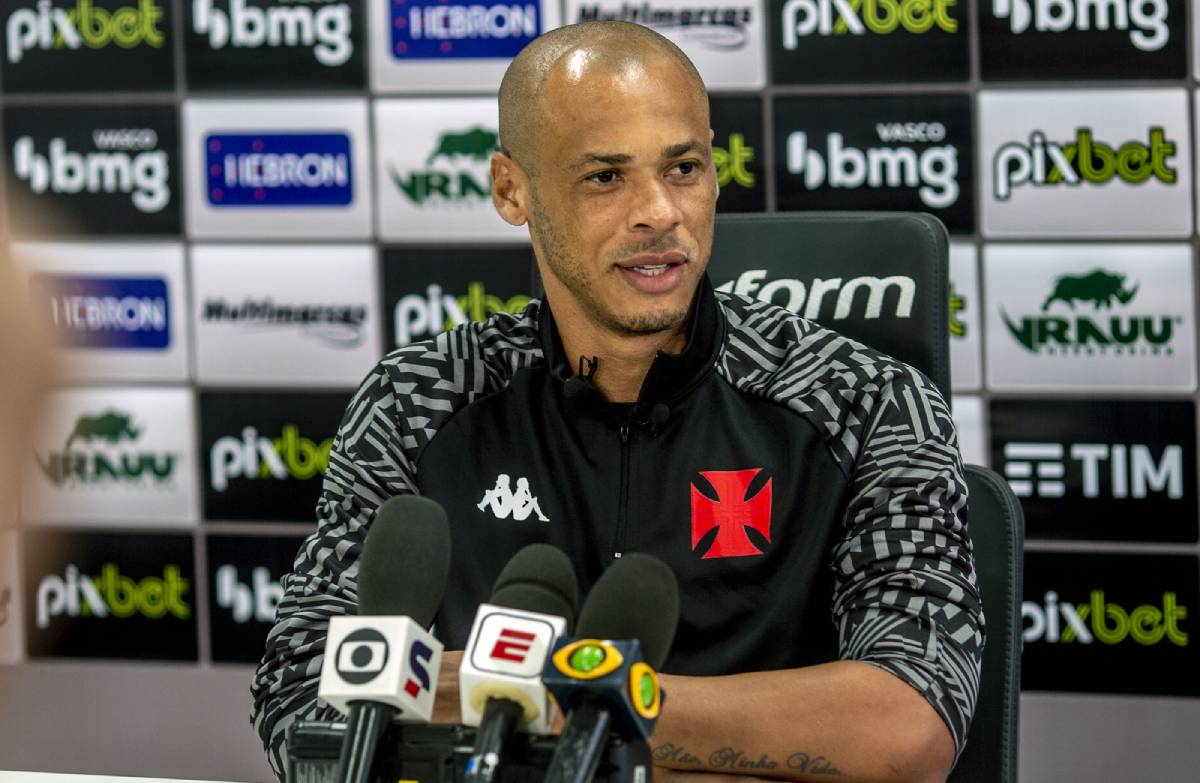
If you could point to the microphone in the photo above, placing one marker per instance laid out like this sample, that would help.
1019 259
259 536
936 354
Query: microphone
383 664
533 602
604 678
582 382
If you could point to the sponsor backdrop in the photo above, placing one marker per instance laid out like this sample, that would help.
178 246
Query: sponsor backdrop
230 209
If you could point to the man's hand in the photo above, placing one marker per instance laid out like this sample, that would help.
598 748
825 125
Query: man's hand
446 707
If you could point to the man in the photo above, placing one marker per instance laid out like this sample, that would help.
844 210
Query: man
786 474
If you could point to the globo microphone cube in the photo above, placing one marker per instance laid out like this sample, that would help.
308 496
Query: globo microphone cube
613 672
505 655
387 660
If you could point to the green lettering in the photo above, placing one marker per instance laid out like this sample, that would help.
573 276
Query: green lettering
1172 613
1102 613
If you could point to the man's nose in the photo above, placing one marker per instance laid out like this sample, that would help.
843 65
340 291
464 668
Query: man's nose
655 207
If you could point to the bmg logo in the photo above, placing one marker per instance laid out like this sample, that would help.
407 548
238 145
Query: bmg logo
1148 18
256 600
362 656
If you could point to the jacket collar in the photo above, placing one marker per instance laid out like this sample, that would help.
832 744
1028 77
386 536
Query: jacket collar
671 376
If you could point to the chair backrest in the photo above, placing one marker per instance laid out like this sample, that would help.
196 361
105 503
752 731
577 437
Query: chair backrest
997 528
881 278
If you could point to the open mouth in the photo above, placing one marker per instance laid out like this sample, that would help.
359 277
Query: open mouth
654 273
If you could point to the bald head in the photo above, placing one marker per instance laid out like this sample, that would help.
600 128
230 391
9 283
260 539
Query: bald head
574 51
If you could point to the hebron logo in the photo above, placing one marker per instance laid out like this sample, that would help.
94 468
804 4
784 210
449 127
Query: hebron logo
253 457
1098 620
108 312
1039 469
933 171
731 514
112 594
105 456
439 29
337 325
1043 163
50 28
454 171
418 317
256 600
142 174
722 28
807 299
802 18
278 169
288 23
1149 31
1120 333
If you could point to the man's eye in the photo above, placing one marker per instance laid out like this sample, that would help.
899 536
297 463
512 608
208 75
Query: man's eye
687 167
603 177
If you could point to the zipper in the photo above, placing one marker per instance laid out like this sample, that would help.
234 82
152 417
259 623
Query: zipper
623 494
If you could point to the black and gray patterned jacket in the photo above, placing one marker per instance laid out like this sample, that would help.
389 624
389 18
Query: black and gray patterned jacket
807 491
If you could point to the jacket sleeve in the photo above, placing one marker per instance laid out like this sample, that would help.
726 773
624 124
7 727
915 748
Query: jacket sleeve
906 598
367 465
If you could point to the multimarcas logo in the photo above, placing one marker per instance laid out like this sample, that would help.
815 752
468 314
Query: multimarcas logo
108 312
455 169
103 449
336 325
713 27
438 29
86 23
323 26
279 169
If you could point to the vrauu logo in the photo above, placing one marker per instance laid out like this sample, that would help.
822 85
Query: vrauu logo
338 325
802 18
253 457
287 24
48 27
108 312
142 174
720 27
1121 334
96 453
1038 469
806 300
1043 163
932 171
419 316
1146 20
448 178
255 601
279 169
1099 620
441 29
112 594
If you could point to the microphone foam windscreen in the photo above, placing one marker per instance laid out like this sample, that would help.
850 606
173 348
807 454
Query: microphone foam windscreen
405 560
636 598
539 578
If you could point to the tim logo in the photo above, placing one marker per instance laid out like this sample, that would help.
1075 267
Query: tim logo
108 312
733 515
442 29
418 663
278 169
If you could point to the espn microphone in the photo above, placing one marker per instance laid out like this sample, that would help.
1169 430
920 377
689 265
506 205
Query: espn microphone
383 664
604 679
533 603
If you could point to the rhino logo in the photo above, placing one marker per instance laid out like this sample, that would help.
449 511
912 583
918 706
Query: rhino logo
476 143
110 426
1098 287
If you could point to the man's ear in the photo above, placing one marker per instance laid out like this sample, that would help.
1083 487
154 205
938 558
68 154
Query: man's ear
510 186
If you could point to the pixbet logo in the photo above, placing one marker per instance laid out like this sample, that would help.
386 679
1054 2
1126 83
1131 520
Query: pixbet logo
1146 20
933 171
1098 620
730 162
142 174
1038 469
802 18
721 28
84 25
256 600
278 169
807 299
419 316
361 656
108 312
436 29
326 29
1045 163
256 457
111 593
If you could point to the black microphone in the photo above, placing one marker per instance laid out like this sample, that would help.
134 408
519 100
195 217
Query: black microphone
582 382
383 664
604 678
533 602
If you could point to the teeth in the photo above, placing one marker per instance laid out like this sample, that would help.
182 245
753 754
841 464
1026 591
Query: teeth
652 271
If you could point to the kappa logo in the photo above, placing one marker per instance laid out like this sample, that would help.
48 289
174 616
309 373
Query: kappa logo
504 502
287 23
1039 469
1044 163
807 299
440 29
455 170
1121 333
137 169
50 28
732 514
1146 20
721 28
1099 620
802 18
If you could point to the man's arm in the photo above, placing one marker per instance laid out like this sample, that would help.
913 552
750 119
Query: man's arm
897 707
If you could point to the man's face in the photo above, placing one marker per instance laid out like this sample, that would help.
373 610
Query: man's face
623 192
